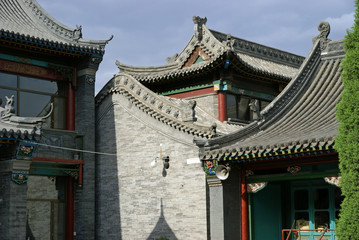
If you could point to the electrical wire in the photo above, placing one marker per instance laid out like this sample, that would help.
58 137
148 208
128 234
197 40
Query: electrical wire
73 149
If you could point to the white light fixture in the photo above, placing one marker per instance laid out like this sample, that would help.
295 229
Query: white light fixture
153 163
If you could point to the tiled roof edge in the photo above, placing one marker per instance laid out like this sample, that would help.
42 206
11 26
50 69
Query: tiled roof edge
67 35
276 151
283 100
33 133
216 46
70 47
178 116
280 102
262 51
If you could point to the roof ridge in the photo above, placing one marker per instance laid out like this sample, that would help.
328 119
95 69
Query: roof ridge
26 20
176 113
203 38
218 47
130 68
260 50
292 89
56 26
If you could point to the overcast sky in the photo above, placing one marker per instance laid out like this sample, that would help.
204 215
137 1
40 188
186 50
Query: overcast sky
146 32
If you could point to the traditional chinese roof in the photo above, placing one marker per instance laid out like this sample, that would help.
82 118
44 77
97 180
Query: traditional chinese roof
216 48
16 127
183 115
26 21
19 131
302 117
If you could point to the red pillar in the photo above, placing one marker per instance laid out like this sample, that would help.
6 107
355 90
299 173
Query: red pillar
70 108
70 209
244 207
222 106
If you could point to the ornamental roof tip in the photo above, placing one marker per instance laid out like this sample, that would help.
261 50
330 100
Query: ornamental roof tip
27 20
20 127
198 29
324 29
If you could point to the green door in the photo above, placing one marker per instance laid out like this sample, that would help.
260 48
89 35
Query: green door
315 206
266 213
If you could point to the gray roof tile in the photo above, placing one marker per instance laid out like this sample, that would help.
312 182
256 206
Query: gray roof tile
258 58
27 20
301 117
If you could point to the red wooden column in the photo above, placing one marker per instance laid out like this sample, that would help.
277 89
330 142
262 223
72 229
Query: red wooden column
244 207
70 108
70 125
222 106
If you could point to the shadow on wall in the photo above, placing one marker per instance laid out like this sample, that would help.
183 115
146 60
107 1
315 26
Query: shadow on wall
29 234
108 225
162 230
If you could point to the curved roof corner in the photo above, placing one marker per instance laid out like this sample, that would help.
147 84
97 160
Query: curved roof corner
215 47
301 116
27 20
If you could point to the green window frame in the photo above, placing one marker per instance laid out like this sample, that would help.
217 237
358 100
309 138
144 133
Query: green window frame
314 206
33 97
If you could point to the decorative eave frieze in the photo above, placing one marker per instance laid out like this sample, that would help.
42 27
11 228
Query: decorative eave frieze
248 153
176 113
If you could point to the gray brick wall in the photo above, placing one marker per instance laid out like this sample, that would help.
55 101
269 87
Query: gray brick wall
45 208
129 191
85 196
12 208
4 203
209 103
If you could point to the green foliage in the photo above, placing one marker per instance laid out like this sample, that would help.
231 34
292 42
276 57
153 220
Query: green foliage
347 141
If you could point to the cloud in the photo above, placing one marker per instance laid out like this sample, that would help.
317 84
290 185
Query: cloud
146 32
339 25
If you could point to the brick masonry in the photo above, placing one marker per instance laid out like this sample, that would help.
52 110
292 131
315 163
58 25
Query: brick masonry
208 102
135 200
12 208
85 196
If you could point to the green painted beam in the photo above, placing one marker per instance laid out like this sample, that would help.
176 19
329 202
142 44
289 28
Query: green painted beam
186 89
289 176
51 171
236 88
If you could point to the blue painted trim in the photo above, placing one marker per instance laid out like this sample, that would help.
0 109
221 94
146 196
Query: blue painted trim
27 60
225 85
226 65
